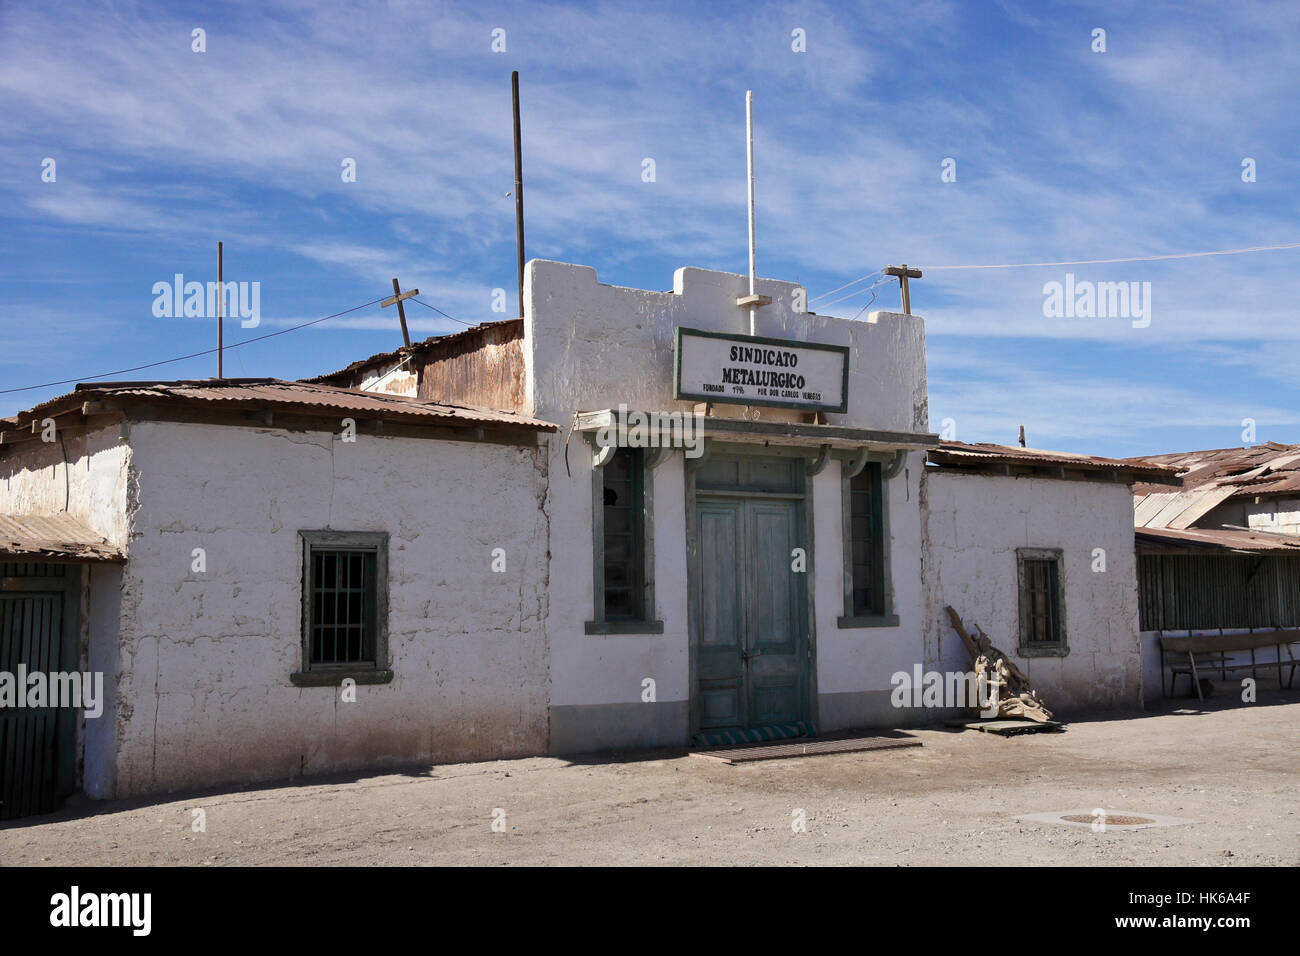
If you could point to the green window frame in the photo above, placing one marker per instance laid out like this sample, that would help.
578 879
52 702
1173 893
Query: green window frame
868 601
623 555
344 607
1042 603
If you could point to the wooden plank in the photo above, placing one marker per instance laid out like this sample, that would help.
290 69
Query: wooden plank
1005 728
394 299
1202 643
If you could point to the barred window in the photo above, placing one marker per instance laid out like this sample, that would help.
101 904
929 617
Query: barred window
343 607
345 598
1041 612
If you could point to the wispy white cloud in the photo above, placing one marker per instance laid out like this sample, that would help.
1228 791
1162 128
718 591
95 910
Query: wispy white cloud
1061 154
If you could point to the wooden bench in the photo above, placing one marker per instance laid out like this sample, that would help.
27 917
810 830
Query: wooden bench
1201 655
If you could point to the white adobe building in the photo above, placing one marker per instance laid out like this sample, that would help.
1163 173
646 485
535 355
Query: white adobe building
498 580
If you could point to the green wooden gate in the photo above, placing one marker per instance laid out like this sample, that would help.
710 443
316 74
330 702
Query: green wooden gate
37 634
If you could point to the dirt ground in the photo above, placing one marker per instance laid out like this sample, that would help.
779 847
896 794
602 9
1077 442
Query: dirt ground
1234 769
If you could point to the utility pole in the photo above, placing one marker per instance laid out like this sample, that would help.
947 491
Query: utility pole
903 273
221 296
1022 436
397 298
753 256
519 189
753 300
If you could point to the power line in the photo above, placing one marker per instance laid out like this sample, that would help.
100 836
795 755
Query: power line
1089 262
874 285
846 285
1073 262
872 290
442 313
181 358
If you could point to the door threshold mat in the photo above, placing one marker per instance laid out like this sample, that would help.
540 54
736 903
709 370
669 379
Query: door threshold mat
755 735
777 750
1007 728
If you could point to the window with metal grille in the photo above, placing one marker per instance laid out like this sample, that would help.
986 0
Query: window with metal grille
866 542
343 607
624 536
345 599
1041 617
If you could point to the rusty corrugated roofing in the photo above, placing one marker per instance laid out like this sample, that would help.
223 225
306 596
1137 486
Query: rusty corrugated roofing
984 453
58 536
1219 539
1214 476
429 344
275 394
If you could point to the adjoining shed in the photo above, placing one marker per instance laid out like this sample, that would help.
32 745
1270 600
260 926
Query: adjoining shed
1222 555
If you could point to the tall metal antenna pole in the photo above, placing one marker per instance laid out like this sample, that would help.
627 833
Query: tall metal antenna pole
749 132
221 296
519 190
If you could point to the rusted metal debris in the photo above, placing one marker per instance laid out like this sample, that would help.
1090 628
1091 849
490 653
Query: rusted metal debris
1015 697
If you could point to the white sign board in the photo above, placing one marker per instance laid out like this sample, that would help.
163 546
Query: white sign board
748 370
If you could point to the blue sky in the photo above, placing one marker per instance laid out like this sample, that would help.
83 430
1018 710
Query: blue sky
1061 153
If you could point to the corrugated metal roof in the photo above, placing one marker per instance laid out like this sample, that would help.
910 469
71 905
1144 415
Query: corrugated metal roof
433 342
1214 476
276 394
1219 539
961 453
43 537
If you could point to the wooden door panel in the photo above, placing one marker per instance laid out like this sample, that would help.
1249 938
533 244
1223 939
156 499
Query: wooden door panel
719 665
751 652
774 675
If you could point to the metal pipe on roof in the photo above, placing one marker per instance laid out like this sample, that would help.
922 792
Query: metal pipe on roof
753 256
519 189
221 295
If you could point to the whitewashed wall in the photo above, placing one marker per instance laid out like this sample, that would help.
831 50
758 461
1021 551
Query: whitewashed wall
590 346
974 526
854 665
89 471
205 658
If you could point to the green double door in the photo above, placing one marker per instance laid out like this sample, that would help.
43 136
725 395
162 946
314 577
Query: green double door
752 653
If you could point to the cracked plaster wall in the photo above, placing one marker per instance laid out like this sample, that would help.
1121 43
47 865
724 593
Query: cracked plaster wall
204 695
974 525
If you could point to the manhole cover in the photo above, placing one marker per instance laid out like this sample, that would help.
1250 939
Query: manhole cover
1110 821
1102 820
